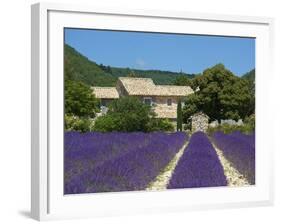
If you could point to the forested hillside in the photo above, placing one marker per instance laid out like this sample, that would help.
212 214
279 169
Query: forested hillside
159 77
79 68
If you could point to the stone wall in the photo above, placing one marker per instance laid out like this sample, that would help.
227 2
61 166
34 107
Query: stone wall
162 109
199 122
231 122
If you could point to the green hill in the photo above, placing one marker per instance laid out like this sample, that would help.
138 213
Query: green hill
159 77
80 68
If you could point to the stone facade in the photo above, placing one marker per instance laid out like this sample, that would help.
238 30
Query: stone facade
165 107
199 122
162 98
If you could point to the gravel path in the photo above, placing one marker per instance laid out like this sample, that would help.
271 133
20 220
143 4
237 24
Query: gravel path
233 176
162 180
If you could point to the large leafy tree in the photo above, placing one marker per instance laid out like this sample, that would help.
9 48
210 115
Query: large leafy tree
79 99
221 95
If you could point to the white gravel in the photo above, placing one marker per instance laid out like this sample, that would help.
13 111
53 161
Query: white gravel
162 180
233 176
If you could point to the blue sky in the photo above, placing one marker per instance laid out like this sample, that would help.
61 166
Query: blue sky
170 52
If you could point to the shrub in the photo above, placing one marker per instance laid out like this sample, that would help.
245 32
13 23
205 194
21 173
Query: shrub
126 114
107 123
129 114
159 124
250 121
247 128
74 123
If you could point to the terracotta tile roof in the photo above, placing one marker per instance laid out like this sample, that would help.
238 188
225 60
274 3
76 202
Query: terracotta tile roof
146 87
105 92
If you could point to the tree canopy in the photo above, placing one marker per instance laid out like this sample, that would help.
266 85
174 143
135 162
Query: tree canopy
79 99
220 95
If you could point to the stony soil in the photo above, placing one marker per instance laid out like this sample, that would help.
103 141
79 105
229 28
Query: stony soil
162 180
233 176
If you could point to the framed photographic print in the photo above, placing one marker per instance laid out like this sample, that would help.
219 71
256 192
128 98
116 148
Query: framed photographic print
139 111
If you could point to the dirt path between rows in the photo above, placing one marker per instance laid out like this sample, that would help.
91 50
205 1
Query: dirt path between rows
234 177
162 180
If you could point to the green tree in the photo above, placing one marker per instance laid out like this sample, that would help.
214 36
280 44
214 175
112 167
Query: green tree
182 80
125 114
221 95
129 114
79 100
179 116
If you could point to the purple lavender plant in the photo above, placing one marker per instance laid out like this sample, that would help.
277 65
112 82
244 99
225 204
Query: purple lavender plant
199 166
107 162
250 139
84 151
239 150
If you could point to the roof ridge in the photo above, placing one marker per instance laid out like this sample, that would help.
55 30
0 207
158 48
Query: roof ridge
104 87
123 77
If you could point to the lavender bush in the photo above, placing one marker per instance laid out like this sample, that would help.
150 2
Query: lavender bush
239 150
103 162
199 166
84 151
250 139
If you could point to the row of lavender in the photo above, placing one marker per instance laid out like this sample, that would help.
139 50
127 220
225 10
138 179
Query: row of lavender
239 149
84 151
199 166
110 162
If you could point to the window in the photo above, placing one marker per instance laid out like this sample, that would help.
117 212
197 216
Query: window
169 102
148 101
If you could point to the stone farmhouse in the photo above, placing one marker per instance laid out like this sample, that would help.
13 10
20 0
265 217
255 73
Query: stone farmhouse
162 98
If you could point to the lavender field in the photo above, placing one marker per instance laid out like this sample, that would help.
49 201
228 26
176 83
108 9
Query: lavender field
97 162
239 149
115 161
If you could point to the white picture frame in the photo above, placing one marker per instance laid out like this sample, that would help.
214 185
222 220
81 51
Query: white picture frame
48 201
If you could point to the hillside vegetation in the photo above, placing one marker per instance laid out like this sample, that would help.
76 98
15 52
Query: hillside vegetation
77 67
